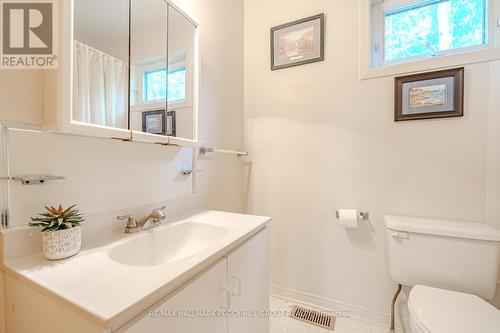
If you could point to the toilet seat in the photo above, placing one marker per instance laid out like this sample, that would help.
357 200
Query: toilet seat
435 310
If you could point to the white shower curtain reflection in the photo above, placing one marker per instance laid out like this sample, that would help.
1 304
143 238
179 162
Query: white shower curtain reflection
100 88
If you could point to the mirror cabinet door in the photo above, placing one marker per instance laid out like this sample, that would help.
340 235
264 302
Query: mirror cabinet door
162 70
181 105
100 62
148 66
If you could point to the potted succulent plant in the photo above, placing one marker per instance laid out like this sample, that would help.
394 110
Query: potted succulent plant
61 231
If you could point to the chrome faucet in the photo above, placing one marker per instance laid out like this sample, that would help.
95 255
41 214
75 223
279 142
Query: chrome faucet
148 222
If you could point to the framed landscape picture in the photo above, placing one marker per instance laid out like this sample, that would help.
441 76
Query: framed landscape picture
298 42
430 95
159 122
154 122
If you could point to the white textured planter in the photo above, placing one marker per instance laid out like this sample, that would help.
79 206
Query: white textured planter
61 244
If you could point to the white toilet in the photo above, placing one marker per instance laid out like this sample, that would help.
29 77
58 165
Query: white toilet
449 264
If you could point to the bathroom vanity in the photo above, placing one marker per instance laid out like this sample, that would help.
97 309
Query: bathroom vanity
206 273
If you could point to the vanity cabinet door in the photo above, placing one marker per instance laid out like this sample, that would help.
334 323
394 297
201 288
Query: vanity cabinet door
205 293
248 271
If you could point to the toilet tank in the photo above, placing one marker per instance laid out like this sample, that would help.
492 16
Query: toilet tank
461 256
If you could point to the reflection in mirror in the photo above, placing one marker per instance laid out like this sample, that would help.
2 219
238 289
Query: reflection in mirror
100 62
148 59
162 70
180 83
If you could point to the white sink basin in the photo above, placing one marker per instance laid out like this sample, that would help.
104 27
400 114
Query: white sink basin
166 245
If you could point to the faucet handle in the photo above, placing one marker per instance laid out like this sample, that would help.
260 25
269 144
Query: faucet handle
131 223
159 214
161 209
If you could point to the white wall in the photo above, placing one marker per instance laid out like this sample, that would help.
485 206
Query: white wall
101 176
21 96
493 185
493 162
221 94
320 139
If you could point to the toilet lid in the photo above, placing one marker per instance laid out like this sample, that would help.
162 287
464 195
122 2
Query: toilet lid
443 311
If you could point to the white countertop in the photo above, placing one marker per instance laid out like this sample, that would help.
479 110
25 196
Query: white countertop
112 293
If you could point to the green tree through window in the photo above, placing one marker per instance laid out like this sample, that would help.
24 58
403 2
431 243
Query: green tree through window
155 85
432 26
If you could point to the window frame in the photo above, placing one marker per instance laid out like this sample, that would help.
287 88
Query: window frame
455 57
191 87
178 67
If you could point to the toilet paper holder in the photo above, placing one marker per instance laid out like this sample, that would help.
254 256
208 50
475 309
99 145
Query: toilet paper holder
362 215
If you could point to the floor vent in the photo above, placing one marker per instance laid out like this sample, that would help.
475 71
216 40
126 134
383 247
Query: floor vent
313 317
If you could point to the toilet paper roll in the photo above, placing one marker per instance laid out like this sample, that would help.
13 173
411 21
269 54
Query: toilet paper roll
348 218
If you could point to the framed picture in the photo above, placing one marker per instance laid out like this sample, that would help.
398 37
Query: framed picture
430 95
298 43
154 122
171 126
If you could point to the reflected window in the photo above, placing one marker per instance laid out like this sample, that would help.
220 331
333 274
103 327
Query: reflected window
156 87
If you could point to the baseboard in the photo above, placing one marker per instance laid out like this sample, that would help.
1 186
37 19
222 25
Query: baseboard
328 304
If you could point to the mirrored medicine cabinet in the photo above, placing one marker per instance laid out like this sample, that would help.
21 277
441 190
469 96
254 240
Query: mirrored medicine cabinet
133 71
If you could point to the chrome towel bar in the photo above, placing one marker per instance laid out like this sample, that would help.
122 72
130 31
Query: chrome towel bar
205 150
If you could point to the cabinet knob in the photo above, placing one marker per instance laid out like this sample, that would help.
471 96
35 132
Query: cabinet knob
400 235
236 286
227 299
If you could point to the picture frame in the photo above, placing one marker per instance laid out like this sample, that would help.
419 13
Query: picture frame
297 43
153 122
171 127
159 122
431 95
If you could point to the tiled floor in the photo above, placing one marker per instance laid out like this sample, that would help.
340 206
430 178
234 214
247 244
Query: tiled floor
342 324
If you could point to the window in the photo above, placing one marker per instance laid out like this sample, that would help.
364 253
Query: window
156 87
426 28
